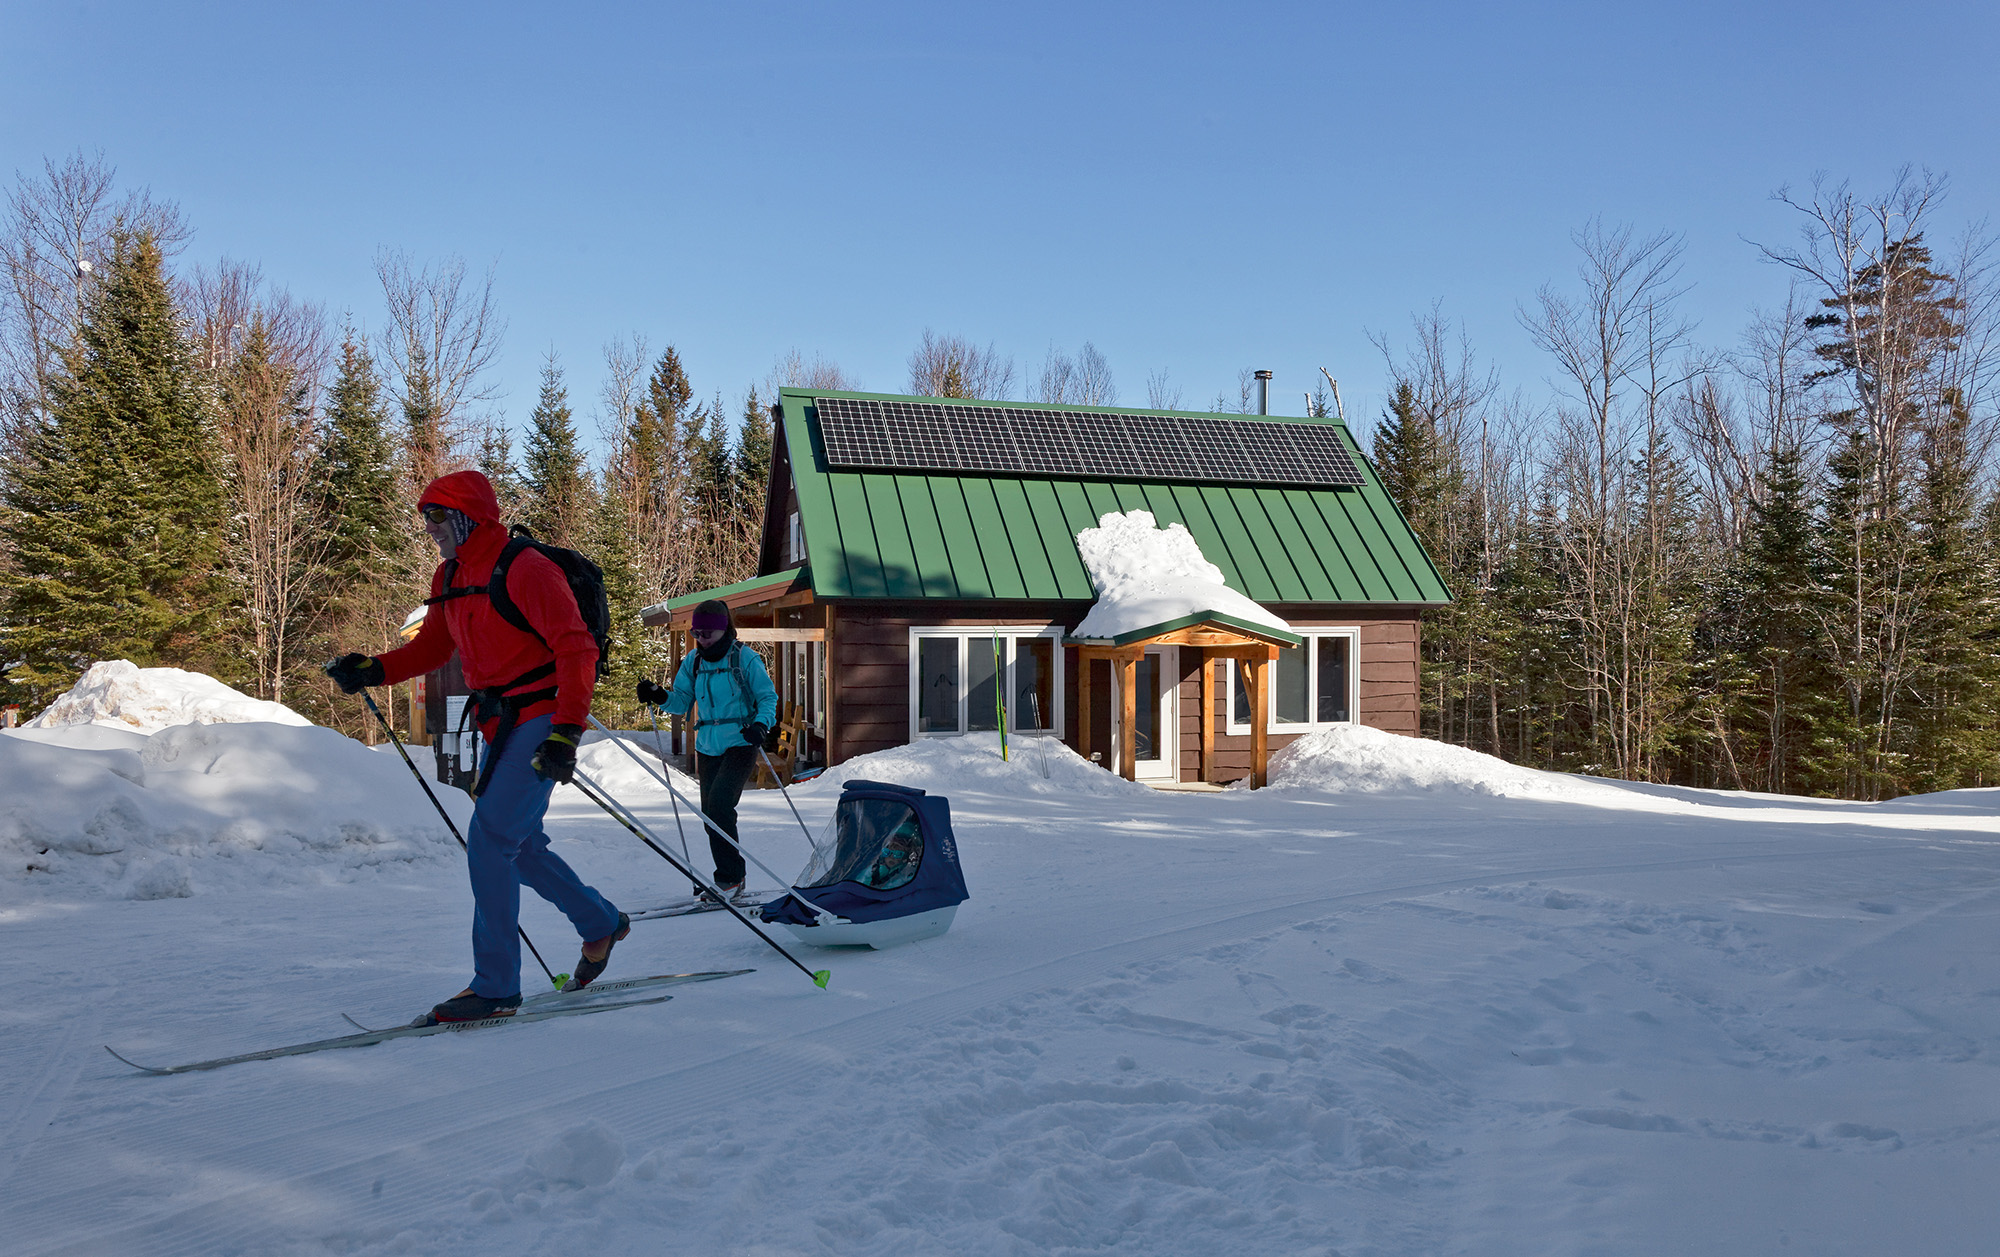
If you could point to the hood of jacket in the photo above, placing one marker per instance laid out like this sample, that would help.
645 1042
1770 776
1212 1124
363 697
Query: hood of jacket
465 491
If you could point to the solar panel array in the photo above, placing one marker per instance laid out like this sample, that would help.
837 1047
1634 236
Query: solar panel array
1015 441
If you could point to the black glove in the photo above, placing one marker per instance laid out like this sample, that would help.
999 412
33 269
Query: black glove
555 758
354 673
651 692
754 733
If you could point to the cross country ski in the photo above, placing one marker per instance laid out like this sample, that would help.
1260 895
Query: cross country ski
534 1008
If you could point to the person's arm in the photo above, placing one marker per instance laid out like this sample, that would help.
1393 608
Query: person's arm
762 693
541 591
680 698
430 650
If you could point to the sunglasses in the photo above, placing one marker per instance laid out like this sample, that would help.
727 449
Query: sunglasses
703 634
434 514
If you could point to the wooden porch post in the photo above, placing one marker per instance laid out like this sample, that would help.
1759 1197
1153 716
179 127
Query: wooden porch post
1083 662
1128 715
832 727
1260 721
1209 719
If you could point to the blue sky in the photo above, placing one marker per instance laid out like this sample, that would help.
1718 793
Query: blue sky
1195 188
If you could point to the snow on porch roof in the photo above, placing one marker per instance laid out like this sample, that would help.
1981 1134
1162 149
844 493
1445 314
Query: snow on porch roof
1152 580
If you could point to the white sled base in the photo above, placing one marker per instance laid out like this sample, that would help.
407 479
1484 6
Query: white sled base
876 934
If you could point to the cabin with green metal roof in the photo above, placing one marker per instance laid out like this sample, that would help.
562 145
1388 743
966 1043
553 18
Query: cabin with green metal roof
920 577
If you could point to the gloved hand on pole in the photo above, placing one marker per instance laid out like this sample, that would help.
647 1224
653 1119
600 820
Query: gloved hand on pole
355 672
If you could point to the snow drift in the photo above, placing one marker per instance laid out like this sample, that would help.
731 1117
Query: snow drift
120 693
206 806
1357 759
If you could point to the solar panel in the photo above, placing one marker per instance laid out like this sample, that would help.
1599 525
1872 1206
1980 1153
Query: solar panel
880 435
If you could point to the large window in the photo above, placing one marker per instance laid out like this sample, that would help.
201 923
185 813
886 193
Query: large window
969 680
1312 684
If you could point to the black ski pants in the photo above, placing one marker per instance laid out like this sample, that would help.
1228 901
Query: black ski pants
722 780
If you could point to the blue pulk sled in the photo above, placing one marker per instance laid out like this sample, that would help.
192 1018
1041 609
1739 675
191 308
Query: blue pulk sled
886 867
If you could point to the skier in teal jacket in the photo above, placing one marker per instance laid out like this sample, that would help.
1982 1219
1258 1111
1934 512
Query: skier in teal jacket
737 705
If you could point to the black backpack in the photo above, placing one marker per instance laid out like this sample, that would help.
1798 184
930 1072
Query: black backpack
586 585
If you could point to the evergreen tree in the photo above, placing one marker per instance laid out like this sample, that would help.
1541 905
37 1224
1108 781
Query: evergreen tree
753 460
358 471
636 654
115 512
559 497
1778 632
496 463
1950 731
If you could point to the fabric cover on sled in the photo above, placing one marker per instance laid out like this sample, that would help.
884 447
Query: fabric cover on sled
888 852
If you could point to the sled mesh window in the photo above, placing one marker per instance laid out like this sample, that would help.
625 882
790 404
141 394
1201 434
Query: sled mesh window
876 842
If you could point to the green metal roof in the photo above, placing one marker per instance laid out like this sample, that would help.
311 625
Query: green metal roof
910 536
774 583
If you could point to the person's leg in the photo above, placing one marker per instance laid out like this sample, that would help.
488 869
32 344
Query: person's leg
722 780
504 847
535 866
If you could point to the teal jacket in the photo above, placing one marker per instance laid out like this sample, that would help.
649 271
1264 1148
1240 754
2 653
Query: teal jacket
733 691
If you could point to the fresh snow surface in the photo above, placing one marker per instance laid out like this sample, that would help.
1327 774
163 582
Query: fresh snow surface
119 692
1146 575
1407 1001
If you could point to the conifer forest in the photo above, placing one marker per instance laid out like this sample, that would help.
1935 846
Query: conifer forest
1761 558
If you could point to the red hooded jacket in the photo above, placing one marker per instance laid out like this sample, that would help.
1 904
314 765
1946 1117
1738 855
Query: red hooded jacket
490 650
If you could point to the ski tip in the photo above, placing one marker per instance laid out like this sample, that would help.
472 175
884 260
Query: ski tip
144 1069
821 977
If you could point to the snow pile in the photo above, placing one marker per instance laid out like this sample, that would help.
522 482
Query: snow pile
119 692
609 766
1035 765
207 806
1145 575
1357 759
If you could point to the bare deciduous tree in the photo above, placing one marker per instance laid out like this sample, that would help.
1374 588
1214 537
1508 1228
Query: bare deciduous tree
952 366
1082 380
792 370
57 233
1160 393
445 334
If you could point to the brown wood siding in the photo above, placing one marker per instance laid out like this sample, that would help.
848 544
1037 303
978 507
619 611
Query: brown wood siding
871 661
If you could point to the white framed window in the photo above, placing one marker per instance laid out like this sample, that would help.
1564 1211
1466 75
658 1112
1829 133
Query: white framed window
966 680
1313 684
795 540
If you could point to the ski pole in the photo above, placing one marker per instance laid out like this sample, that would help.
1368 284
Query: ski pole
821 913
788 799
416 772
595 793
661 748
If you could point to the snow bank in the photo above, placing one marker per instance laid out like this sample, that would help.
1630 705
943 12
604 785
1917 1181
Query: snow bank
1357 759
121 693
1145 575
1037 765
206 807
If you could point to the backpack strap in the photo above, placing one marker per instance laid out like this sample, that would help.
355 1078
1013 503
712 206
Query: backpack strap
742 687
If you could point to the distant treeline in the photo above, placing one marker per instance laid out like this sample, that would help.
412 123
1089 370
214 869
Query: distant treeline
1768 566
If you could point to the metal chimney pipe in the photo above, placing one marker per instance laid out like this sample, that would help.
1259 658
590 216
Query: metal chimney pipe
1263 392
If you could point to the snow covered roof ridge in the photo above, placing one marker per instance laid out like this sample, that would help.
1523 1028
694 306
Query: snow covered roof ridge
1148 577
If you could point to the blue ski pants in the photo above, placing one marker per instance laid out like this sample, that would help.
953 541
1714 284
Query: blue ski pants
506 849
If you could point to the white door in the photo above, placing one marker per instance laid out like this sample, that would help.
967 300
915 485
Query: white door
1155 712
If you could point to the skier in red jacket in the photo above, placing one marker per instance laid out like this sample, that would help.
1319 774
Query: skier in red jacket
533 692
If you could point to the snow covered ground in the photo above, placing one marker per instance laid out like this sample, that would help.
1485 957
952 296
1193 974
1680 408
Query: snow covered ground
1409 1000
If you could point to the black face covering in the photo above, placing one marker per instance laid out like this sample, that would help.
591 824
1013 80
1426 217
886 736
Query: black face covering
715 650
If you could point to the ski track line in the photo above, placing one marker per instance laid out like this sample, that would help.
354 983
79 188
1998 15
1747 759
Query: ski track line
42 1099
373 1196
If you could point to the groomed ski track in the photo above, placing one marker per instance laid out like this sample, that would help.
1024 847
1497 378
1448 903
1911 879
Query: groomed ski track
365 1165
